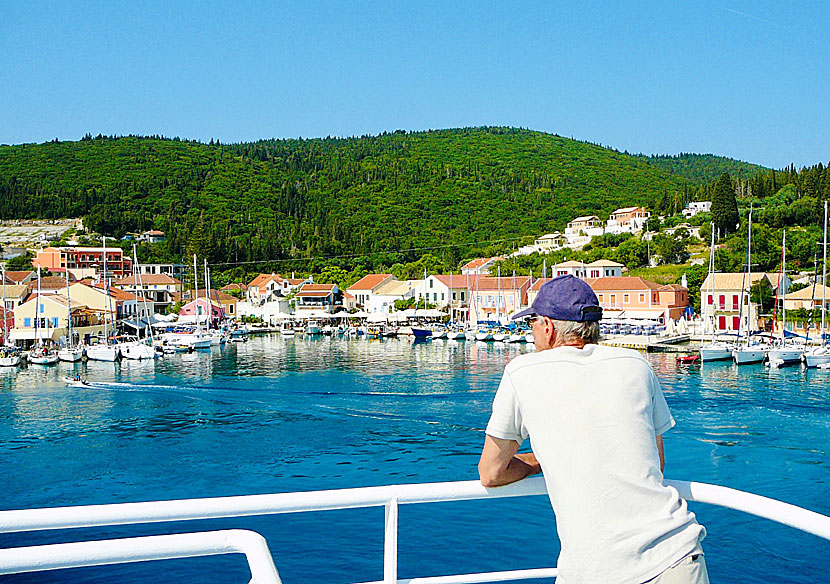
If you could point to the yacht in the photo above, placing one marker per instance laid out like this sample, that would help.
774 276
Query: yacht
714 350
820 356
41 355
9 356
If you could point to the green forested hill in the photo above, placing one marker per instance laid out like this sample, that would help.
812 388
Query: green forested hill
698 168
327 197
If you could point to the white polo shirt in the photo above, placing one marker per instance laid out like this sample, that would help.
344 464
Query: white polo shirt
592 415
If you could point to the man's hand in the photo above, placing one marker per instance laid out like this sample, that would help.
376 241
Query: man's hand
500 465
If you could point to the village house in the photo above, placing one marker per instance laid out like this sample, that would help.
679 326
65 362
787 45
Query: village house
720 301
152 236
365 292
392 290
496 298
20 277
226 302
585 226
693 208
237 289
480 266
627 220
807 298
270 286
45 318
326 297
173 270
15 295
197 310
550 242
6 324
635 297
84 258
349 301
571 268
159 288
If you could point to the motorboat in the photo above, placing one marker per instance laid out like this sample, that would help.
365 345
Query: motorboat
688 359
817 356
76 381
484 335
499 335
439 332
313 328
785 353
138 350
9 356
747 354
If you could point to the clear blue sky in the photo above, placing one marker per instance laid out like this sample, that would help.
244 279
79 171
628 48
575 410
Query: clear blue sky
740 79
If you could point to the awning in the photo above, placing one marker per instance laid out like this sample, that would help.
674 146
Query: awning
138 324
29 334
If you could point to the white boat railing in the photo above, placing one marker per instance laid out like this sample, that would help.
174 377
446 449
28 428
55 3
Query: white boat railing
390 497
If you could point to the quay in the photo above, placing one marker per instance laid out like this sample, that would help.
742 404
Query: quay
650 343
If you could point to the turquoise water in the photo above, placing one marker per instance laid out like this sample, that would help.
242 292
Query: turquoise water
275 415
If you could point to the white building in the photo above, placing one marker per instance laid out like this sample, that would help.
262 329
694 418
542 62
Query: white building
693 208
627 220
597 269
365 292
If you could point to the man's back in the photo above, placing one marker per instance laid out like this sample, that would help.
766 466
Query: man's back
592 414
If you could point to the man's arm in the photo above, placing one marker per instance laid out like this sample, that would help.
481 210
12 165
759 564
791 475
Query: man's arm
661 453
500 465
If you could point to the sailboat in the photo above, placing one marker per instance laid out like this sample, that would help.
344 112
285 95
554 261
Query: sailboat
103 350
40 354
714 350
9 354
499 333
138 349
783 352
820 355
70 353
749 352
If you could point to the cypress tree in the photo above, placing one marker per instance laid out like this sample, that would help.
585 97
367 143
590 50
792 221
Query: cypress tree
724 205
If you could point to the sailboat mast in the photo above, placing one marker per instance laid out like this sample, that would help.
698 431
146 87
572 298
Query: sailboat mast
824 277
37 306
5 320
196 288
711 281
780 279
68 314
208 304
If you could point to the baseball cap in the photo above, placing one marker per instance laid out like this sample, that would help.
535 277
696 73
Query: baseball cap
565 298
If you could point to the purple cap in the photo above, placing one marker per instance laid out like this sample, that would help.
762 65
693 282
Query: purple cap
565 298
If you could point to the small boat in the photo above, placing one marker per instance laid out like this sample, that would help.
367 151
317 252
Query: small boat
421 333
688 359
9 356
42 356
71 354
716 351
76 382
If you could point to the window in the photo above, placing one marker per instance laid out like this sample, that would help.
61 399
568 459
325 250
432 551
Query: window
430 283
442 295
42 308
453 296
462 296
55 321
613 299
642 298
600 298
625 298
736 323
722 323
595 273
735 302
711 300
27 322
722 301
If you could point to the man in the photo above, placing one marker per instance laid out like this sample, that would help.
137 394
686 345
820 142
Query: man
595 416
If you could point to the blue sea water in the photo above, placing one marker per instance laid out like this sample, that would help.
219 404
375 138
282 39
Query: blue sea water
278 415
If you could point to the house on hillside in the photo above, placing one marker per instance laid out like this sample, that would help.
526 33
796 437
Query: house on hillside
84 259
152 236
365 292
693 208
325 297
550 242
267 287
585 226
159 288
627 220
480 266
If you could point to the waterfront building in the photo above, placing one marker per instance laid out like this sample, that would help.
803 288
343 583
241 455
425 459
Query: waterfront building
807 298
326 297
6 323
160 288
227 303
774 279
693 208
390 291
52 311
458 294
480 266
365 292
201 309
83 259
349 301
720 299
236 289
635 297
627 220
495 298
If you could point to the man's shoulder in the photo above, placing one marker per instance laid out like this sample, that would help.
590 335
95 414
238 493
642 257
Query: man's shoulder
588 355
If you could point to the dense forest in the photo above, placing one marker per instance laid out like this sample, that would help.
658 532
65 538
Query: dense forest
373 201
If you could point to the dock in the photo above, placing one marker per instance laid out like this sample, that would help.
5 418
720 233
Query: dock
651 343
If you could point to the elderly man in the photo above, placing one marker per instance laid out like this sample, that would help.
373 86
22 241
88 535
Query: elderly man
595 416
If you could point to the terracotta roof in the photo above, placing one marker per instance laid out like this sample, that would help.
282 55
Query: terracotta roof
346 295
626 210
264 279
147 279
622 283
605 264
316 290
504 283
49 283
585 218
19 276
570 264
235 286
672 287
394 288
539 282
294 281
369 281
454 280
478 262
153 232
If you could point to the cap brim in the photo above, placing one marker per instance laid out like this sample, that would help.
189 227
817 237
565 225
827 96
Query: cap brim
522 313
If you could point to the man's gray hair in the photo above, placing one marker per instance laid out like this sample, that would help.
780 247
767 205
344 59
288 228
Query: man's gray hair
572 331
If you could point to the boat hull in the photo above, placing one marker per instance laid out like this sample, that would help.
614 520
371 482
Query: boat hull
786 355
70 355
817 357
12 361
715 353
747 356
138 352
102 353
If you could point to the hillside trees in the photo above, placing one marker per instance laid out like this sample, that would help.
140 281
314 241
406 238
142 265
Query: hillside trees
724 206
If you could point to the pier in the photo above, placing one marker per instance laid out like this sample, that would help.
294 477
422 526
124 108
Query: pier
650 343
